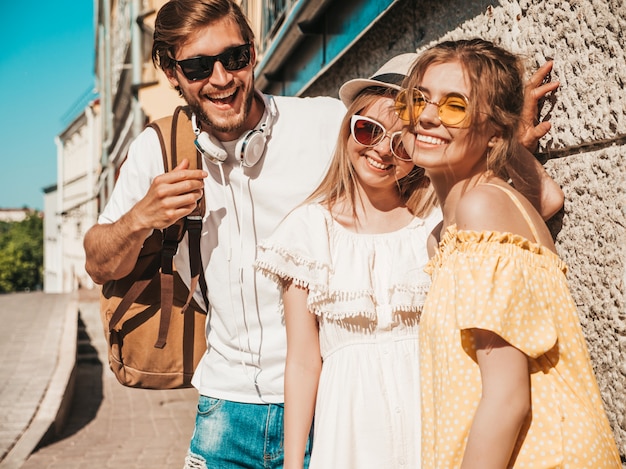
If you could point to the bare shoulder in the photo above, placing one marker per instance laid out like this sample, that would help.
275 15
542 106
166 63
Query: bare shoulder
484 207
488 208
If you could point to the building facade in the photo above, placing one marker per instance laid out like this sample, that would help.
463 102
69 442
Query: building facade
14 214
71 206
310 47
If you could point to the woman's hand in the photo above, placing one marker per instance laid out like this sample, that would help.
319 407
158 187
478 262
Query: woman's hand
536 90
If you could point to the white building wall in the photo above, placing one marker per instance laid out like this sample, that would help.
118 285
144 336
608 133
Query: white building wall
77 209
51 255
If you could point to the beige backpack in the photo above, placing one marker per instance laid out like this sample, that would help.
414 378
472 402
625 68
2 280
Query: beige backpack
154 329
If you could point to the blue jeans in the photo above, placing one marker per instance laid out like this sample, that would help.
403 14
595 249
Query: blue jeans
237 435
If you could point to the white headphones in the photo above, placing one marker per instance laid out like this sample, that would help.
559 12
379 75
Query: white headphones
251 145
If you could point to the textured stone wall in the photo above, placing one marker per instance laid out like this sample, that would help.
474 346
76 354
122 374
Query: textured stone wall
591 238
584 150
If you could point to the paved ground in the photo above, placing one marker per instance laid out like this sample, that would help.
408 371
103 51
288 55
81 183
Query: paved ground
108 425
38 357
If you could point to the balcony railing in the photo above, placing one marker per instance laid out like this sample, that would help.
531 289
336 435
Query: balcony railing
266 18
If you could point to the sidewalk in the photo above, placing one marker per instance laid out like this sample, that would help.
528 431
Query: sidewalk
109 425
38 350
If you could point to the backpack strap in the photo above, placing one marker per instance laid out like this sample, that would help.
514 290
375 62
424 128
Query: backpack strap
182 143
176 138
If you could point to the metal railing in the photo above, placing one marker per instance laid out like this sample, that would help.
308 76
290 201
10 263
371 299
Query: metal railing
266 17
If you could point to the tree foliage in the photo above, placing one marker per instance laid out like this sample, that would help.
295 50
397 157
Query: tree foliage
21 254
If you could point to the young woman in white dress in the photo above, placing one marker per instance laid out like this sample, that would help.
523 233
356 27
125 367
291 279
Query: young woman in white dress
353 255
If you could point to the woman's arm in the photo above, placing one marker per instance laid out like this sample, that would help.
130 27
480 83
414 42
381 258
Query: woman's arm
302 372
527 173
531 179
504 404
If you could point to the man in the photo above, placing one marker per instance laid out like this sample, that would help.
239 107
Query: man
262 157
206 49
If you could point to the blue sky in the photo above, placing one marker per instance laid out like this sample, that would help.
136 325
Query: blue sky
46 66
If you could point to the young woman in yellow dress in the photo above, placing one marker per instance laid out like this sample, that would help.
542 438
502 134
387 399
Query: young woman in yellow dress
506 378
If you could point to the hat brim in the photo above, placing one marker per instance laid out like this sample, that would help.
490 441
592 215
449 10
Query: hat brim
350 89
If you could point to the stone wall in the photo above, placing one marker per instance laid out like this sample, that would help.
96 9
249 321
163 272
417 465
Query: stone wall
584 151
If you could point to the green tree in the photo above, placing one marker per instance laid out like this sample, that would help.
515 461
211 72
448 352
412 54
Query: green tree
21 254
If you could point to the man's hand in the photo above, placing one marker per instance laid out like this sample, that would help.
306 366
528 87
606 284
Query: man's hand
536 90
171 196
111 249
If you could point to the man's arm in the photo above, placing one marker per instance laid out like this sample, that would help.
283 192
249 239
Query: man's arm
527 173
112 249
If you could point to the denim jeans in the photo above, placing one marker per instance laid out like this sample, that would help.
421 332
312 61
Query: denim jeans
237 435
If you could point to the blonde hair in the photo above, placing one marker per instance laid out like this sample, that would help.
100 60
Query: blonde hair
339 183
496 79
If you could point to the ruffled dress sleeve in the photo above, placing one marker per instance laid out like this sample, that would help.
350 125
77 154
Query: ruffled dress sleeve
503 283
348 274
298 250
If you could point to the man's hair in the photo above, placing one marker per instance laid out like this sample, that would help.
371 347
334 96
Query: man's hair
496 79
177 20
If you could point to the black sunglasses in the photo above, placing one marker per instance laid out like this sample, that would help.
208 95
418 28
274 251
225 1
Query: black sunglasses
201 67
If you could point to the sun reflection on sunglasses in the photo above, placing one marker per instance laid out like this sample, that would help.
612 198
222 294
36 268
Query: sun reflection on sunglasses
369 132
452 109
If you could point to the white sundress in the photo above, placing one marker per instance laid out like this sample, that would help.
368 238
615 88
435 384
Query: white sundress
367 291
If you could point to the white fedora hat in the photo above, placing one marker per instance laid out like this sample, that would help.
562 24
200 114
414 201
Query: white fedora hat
390 75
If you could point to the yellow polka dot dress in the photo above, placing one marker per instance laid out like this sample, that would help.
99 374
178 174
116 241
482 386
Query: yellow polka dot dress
508 285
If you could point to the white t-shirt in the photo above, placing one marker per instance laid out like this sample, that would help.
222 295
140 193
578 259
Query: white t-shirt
246 351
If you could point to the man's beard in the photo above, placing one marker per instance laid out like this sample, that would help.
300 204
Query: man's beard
223 127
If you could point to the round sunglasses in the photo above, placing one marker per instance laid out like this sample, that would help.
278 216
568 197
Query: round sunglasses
451 109
368 132
201 67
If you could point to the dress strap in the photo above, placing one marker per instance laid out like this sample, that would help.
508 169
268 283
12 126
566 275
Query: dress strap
521 208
